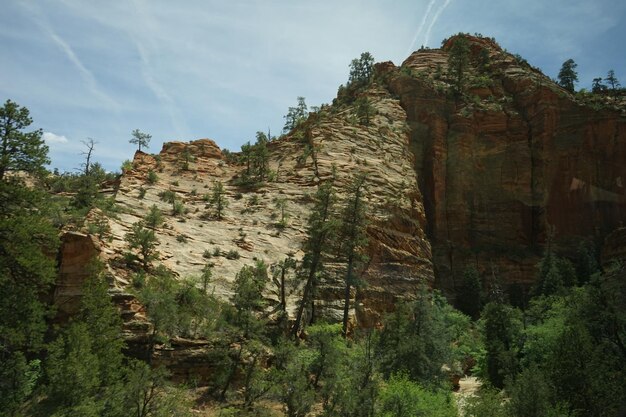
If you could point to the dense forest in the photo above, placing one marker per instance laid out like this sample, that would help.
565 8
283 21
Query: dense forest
556 348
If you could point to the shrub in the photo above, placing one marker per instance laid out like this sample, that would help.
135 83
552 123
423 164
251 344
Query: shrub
152 177
232 254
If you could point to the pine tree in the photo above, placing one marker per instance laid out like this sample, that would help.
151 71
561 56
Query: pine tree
612 81
353 239
144 241
20 151
295 115
568 75
469 299
321 227
140 139
218 199
458 62
361 69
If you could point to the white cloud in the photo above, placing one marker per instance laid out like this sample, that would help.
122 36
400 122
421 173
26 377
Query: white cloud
50 138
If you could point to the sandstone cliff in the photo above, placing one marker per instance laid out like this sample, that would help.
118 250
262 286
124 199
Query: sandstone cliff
512 159
477 178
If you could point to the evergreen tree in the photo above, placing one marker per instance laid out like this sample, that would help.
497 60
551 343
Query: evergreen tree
364 110
500 334
20 151
170 197
469 299
295 115
248 298
458 62
568 75
154 218
352 240
597 86
321 227
140 139
261 157
361 69
144 241
218 199
416 340
612 81
28 242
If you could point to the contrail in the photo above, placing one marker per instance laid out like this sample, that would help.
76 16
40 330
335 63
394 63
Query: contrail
87 75
435 18
420 27
145 30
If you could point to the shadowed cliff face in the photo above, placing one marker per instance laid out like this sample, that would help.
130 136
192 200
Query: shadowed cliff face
512 158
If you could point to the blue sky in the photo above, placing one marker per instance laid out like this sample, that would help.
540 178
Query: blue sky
183 70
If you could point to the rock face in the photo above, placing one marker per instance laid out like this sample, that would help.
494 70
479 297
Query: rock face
77 252
399 252
479 178
514 159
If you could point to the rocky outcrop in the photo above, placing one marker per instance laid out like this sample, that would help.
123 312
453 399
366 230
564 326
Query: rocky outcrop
77 253
399 251
512 159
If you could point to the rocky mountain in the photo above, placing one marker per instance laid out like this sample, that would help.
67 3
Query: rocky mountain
472 168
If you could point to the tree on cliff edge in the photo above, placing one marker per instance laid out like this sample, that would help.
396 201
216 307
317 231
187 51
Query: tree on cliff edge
140 139
568 75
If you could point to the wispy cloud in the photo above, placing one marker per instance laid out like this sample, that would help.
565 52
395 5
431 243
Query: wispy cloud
145 25
420 27
434 21
85 73
53 138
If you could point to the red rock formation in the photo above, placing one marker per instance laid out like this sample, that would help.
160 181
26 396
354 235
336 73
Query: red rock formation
515 156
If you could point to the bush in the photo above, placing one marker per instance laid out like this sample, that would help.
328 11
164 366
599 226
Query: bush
401 397
152 177
232 254
142 193
181 239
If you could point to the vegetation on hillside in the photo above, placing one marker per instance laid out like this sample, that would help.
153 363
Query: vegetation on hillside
559 352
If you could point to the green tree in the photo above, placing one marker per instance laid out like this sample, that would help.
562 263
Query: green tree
140 139
28 242
364 110
597 86
417 340
170 197
458 62
469 299
20 151
567 75
144 241
185 158
246 158
261 157
154 218
291 385
85 364
401 397
322 225
501 334
207 275
248 298
295 115
361 69
353 240
218 199
280 272
280 203
612 81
